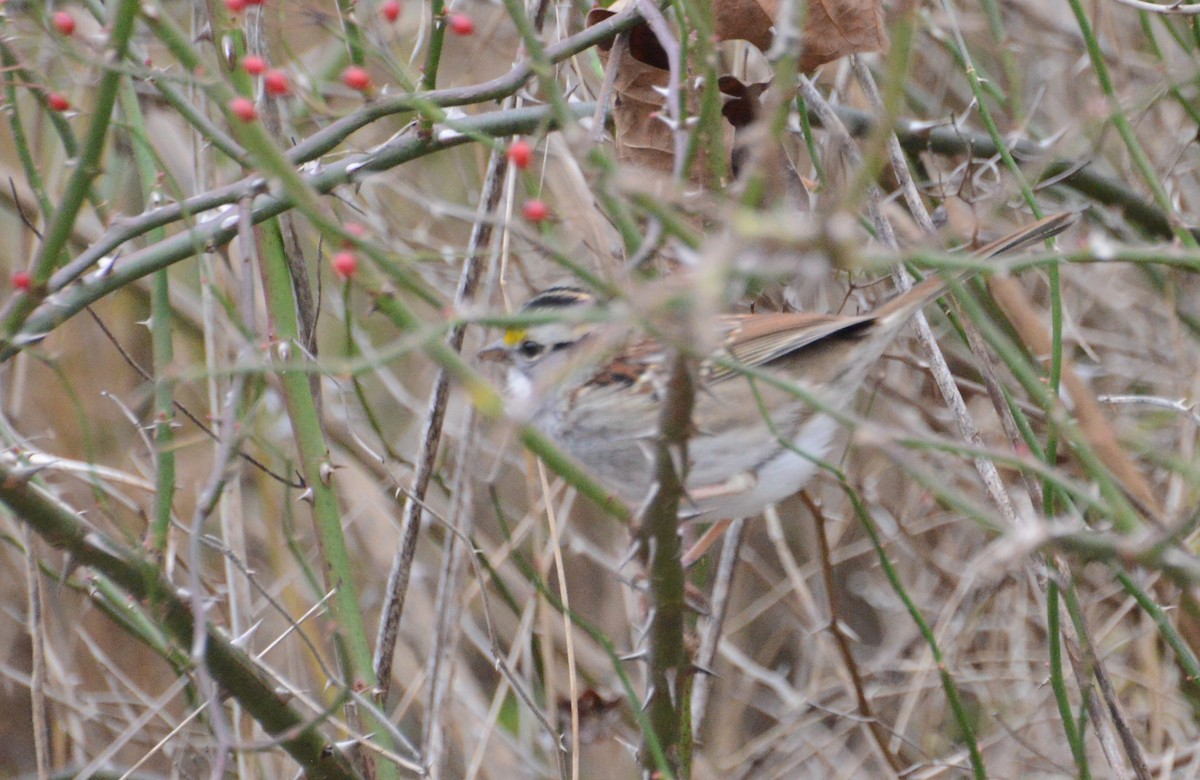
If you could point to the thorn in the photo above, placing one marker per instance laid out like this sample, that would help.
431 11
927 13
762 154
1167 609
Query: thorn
20 476
243 639
70 564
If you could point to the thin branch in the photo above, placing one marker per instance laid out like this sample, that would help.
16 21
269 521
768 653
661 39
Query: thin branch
878 733
706 657
38 712
177 404
398 576
1178 8
336 133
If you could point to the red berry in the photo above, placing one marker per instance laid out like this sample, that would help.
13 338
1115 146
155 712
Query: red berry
244 109
253 64
390 10
520 153
21 280
235 6
345 263
276 83
535 210
356 78
461 24
63 22
57 102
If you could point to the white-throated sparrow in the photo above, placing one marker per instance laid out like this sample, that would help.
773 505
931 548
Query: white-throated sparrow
594 387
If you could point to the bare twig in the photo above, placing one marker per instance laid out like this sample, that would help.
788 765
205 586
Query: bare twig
1182 406
722 587
39 714
939 369
1177 8
674 98
599 119
398 577
870 719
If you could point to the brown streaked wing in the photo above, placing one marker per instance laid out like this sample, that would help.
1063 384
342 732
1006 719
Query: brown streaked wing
758 339
753 340
628 367
620 371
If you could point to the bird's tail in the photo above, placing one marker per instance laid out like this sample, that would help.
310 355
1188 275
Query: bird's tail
908 302
1038 231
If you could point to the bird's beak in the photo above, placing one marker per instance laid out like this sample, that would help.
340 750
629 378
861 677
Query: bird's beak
496 352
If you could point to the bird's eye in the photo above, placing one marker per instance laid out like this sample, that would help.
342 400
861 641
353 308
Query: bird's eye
530 349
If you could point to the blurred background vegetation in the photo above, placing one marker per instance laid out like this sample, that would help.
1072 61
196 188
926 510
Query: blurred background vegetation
190 435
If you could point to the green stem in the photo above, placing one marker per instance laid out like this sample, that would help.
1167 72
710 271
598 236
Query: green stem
1124 517
667 659
1058 681
1186 659
552 597
319 475
33 176
355 44
543 68
160 331
1012 71
433 55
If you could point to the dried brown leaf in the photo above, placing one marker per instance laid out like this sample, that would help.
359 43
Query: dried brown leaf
837 28
643 138
746 20
832 28
1095 424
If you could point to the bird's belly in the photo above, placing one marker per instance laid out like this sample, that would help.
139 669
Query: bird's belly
780 474
616 449
737 467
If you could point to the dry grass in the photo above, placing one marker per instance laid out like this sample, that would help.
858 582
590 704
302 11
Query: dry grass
783 701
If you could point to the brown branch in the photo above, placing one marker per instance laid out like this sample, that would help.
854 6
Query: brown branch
878 733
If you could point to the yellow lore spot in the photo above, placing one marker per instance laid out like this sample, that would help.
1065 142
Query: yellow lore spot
514 336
